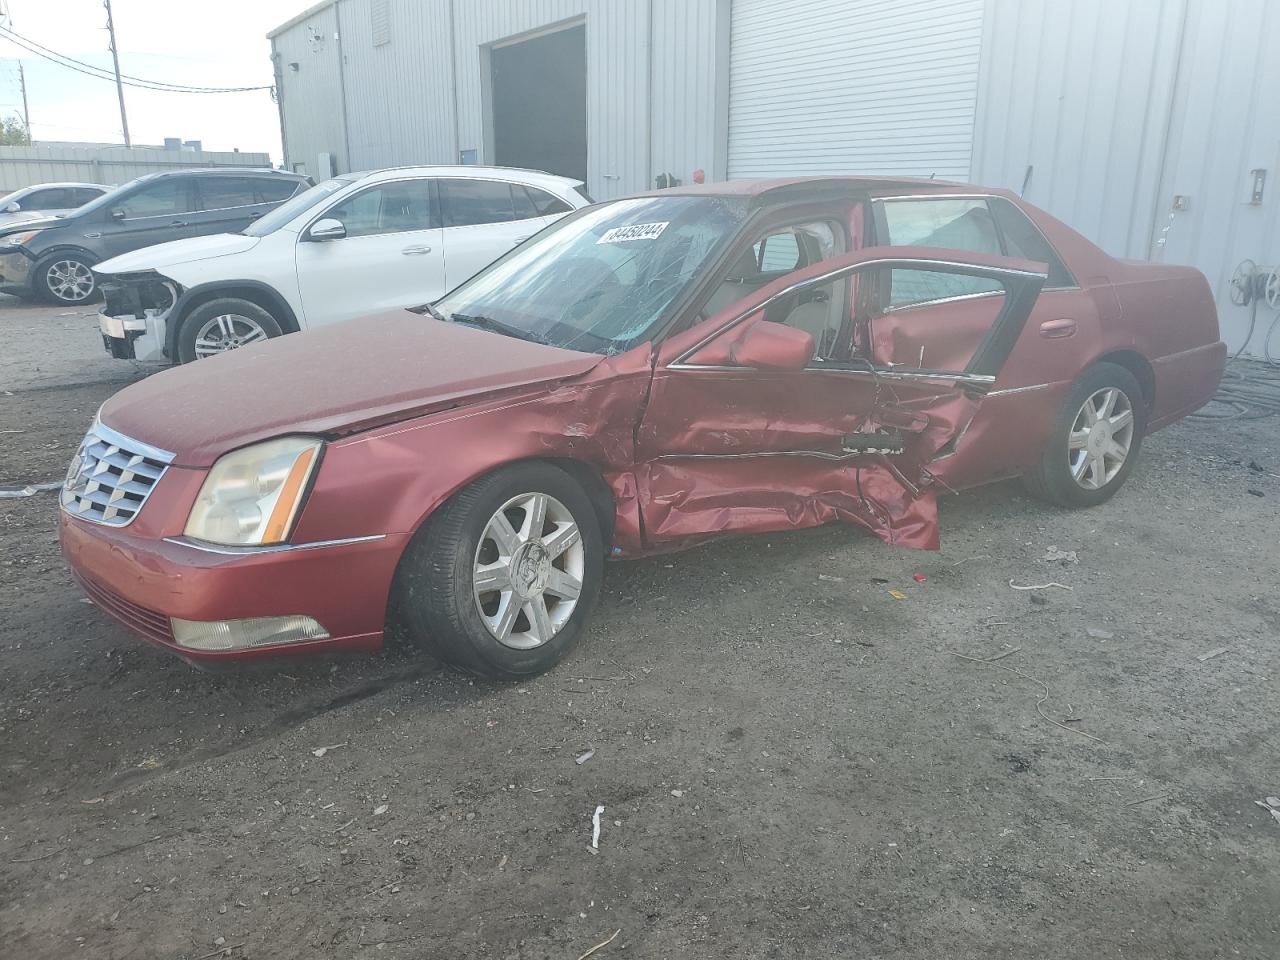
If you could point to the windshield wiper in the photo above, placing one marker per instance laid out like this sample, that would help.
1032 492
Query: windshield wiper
429 310
496 326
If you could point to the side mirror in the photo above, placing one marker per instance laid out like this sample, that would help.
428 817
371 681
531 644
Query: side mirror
760 344
14 207
117 213
327 229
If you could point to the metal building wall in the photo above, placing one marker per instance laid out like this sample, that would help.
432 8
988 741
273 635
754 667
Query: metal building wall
1108 110
311 97
853 86
399 94
24 166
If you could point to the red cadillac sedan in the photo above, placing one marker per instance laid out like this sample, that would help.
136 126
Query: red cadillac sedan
641 376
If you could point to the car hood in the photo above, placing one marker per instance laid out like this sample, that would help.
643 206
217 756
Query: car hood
334 380
174 252
25 217
22 226
178 251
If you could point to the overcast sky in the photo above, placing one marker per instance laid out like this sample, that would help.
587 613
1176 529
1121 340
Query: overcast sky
214 43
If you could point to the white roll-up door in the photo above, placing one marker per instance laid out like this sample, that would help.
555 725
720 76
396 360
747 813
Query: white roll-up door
853 86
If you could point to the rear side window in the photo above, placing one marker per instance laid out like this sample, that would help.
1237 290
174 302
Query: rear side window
1022 238
545 203
218 193
82 196
469 202
158 199
274 191
946 222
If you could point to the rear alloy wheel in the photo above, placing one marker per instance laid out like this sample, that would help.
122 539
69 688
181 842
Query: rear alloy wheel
1095 440
222 325
65 279
500 580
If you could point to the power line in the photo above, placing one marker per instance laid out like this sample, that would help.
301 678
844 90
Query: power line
88 69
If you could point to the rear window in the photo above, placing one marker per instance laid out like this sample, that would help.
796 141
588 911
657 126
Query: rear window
470 202
1024 239
275 191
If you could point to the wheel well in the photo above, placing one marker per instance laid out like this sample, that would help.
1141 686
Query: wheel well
1138 365
89 257
597 491
263 297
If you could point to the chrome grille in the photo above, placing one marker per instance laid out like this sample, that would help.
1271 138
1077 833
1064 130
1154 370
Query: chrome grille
111 477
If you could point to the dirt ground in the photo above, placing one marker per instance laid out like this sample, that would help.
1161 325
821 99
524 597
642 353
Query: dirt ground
792 762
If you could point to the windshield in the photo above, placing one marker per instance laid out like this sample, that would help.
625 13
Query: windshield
599 281
304 201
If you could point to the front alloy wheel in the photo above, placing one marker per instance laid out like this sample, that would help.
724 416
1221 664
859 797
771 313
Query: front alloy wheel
1100 438
501 578
227 331
69 281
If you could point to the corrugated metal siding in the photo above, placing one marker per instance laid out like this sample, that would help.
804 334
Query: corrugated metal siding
1118 107
24 166
860 86
1224 125
399 94
682 84
1080 94
311 97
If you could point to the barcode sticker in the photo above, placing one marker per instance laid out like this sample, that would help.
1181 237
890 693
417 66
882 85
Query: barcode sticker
637 231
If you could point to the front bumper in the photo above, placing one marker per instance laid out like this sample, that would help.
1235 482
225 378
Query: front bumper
134 318
15 269
143 582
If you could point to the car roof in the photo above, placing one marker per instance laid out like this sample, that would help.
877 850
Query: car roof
227 171
801 188
62 183
473 171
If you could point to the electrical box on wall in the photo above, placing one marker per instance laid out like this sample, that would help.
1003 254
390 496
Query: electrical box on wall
1258 185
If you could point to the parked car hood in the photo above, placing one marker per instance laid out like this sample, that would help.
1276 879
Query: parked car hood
26 217
178 251
334 380
38 223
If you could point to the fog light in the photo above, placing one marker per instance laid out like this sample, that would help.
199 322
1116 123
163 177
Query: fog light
214 635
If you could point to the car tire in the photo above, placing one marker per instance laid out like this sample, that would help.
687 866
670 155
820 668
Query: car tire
1082 465
501 633
65 279
222 325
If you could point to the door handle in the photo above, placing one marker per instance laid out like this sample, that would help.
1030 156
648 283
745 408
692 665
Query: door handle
518 241
178 223
1056 329
415 251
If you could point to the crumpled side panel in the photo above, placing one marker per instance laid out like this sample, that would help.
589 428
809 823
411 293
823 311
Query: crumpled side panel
694 499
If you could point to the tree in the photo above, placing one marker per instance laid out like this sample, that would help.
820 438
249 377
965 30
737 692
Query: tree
13 133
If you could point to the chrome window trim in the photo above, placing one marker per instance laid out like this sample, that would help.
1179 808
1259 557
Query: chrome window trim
252 551
988 197
930 303
680 362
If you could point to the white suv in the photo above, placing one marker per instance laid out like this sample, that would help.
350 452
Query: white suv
348 247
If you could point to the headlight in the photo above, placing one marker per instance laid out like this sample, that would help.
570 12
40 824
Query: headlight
18 239
251 496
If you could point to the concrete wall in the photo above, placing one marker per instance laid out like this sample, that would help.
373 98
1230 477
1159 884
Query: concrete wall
24 166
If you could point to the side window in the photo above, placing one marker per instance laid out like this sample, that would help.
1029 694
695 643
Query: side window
950 223
468 202
397 207
1023 239
164 198
219 193
274 191
546 204
778 253
523 202
819 312
84 195
54 199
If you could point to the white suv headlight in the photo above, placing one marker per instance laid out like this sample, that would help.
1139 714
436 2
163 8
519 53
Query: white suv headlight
251 496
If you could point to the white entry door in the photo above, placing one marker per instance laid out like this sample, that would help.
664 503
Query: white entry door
392 255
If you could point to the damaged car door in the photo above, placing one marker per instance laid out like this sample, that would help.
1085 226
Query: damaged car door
775 414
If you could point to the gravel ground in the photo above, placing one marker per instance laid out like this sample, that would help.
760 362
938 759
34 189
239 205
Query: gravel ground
792 762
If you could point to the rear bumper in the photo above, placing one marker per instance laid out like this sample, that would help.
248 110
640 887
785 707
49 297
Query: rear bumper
141 583
1185 382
